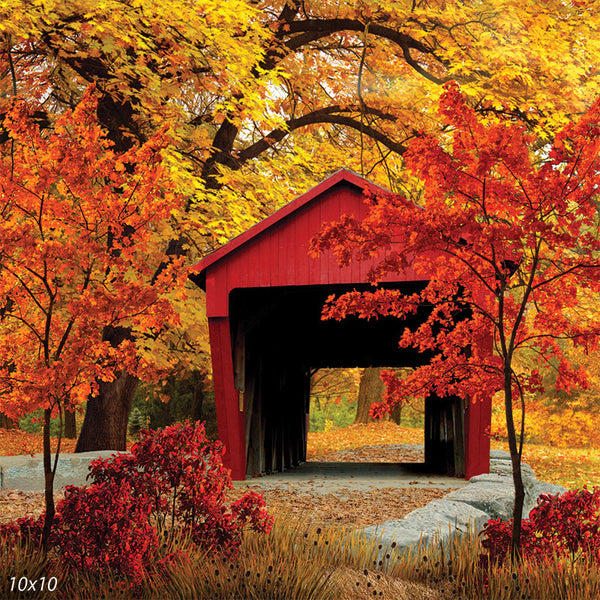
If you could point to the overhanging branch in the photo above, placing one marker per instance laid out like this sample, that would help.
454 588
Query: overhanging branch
331 114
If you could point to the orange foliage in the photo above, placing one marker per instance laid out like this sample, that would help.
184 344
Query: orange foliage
561 427
78 226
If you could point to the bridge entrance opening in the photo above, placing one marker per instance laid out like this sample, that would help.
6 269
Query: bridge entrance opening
280 343
342 430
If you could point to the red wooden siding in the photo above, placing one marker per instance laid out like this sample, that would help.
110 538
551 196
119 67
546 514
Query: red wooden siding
279 256
274 254
231 421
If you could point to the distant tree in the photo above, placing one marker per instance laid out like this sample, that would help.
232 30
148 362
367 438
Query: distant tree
328 385
370 392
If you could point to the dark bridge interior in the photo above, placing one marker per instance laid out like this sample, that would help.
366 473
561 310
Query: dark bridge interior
278 337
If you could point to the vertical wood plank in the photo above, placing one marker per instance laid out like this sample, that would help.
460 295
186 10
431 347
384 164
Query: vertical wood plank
231 422
287 249
264 264
477 442
217 293
301 258
237 274
314 226
459 442
331 211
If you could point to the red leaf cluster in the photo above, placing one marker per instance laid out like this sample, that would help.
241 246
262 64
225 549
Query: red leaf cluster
560 525
505 239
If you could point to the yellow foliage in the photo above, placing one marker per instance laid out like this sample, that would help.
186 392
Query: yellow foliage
558 427
262 98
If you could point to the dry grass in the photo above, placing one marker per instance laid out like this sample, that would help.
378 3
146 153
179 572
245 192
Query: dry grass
302 561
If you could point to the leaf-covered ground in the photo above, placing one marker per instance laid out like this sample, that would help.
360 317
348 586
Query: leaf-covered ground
570 467
342 507
357 436
15 441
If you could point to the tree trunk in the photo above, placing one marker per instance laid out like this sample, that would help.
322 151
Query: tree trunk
48 483
515 455
370 390
7 422
70 425
106 416
396 414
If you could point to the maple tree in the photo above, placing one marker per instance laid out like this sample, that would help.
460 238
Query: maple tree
68 277
265 98
508 240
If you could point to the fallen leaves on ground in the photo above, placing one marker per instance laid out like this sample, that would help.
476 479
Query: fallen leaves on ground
15 504
342 507
14 442
347 506
396 453
570 467
356 436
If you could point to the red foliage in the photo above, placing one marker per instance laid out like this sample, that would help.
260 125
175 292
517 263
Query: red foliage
506 241
173 479
505 238
181 474
104 526
559 525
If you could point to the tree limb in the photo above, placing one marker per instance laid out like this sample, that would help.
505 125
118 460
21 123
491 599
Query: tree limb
330 114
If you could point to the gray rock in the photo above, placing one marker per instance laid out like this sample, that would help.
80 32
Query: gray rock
27 473
504 468
446 513
540 487
490 495
396 540
499 454
435 522
489 478
495 499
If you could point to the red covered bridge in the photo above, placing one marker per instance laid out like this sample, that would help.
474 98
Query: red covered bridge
264 297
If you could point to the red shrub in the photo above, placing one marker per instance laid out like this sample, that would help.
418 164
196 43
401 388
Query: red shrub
173 479
182 475
103 526
562 524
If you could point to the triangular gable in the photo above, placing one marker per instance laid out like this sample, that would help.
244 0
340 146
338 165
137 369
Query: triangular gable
343 175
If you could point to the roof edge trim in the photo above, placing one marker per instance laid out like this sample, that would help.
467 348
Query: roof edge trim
198 270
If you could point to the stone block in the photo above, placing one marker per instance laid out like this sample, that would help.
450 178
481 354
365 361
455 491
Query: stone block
435 522
504 468
541 487
495 499
499 454
27 473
